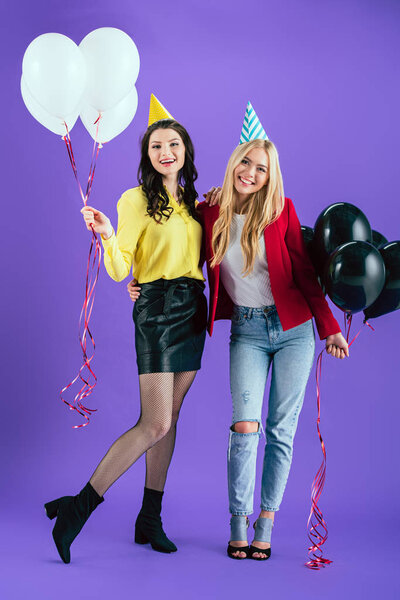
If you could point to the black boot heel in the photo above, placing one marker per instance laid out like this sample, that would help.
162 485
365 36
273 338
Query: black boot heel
52 508
140 538
72 512
148 526
149 530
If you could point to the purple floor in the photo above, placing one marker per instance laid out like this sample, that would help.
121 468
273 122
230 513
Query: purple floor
106 563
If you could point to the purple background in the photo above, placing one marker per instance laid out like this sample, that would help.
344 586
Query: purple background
324 79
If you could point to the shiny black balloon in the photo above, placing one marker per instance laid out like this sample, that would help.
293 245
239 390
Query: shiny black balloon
378 239
338 224
389 299
308 234
354 276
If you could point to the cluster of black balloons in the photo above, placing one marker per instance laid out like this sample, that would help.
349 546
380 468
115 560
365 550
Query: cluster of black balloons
357 267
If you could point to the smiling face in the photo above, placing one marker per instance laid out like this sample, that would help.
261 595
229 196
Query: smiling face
166 151
252 173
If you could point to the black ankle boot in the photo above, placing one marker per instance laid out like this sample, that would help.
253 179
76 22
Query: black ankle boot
72 512
148 526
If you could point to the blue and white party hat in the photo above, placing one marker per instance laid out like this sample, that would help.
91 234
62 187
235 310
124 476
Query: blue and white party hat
252 128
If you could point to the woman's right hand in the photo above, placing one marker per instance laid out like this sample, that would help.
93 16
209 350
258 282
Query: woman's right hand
133 290
213 196
96 220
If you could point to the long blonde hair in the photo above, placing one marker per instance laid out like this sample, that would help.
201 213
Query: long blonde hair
264 207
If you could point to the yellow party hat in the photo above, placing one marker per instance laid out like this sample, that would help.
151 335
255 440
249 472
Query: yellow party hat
157 111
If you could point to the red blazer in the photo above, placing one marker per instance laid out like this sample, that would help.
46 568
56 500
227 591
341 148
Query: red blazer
294 285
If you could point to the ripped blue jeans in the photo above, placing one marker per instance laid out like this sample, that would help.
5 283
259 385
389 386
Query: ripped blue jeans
257 340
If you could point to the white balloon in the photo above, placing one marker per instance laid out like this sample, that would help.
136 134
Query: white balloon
113 66
112 121
55 124
54 71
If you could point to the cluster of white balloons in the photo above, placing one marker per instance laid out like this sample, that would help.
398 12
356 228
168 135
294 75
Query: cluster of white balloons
61 81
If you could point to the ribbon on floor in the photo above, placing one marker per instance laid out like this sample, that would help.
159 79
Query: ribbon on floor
316 524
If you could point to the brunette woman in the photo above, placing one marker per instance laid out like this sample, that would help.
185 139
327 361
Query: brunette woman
158 240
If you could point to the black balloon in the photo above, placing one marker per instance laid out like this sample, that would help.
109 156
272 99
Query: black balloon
378 239
338 224
308 234
354 276
389 299
308 237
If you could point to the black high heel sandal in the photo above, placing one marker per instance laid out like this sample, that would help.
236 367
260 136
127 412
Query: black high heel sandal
239 526
263 529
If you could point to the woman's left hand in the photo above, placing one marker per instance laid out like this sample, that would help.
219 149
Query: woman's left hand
337 346
133 290
213 196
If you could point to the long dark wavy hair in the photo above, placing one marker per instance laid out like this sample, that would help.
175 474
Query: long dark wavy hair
151 180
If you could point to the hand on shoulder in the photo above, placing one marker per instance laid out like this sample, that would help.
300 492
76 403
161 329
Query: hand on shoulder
213 196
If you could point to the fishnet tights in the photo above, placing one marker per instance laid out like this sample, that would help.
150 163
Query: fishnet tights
160 401
158 457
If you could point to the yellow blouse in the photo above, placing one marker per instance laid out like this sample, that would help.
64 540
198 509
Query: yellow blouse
152 250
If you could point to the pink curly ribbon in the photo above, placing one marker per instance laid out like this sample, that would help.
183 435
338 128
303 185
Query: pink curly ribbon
85 374
316 525
317 529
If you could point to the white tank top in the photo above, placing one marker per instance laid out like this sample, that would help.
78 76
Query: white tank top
254 290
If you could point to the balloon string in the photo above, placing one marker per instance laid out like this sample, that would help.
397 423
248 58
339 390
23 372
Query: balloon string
365 322
349 319
95 153
85 374
316 525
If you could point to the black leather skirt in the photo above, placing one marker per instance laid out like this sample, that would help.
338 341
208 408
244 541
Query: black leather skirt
170 319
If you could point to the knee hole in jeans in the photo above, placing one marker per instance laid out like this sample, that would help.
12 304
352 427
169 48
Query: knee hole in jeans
246 426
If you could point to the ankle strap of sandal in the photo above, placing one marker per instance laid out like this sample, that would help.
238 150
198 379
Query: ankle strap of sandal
239 525
263 529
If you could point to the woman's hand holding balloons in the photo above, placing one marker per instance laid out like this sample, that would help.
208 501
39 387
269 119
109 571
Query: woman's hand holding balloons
133 290
337 346
97 221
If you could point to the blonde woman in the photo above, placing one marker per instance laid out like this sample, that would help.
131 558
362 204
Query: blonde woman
261 278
